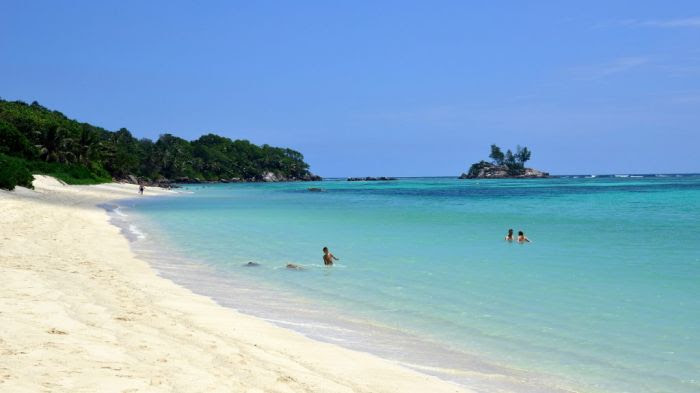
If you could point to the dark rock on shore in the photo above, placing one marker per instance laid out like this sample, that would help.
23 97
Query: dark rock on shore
371 178
172 183
487 170
131 179
271 177
311 177
276 177
162 182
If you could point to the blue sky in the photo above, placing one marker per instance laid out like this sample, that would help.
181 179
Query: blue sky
394 88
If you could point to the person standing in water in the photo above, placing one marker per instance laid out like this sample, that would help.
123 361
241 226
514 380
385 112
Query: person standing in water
522 238
328 257
509 236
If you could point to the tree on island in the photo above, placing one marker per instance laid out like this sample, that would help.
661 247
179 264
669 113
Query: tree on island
497 155
514 161
506 164
522 155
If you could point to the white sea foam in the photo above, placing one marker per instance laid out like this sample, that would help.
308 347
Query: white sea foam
308 325
119 212
135 230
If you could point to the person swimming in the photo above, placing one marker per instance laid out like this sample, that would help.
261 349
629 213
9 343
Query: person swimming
328 257
294 266
509 236
522 238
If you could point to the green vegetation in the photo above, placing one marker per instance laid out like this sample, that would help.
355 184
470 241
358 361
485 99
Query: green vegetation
69 173
34 139
515 163
13 172
504 165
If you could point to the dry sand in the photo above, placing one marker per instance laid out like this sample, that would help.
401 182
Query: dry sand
80 313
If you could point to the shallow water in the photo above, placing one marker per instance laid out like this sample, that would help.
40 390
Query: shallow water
605 298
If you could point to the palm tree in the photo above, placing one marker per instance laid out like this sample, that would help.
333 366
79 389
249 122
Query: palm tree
49 143
87 146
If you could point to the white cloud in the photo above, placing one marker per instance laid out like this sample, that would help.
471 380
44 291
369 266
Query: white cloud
692 22
616 66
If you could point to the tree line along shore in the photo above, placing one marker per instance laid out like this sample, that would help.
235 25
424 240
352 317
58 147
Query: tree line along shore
37 140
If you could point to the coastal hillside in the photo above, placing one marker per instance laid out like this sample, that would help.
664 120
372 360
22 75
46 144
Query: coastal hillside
37 140
504 165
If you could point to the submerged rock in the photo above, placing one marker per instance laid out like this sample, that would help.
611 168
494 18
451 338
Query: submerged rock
315 189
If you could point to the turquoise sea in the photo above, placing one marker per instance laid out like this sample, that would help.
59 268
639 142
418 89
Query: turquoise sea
606 297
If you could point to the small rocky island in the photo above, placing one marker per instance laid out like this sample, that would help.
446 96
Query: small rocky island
504 166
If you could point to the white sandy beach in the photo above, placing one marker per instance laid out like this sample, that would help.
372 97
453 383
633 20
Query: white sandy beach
79 312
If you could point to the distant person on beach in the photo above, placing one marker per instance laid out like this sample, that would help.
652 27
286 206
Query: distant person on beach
141 188
522 238
509 236
328 257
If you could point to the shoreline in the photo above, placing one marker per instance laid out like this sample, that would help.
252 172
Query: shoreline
323 322
248 291
82 312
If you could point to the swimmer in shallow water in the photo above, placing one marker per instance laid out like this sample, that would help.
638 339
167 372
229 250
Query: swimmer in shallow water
509 236
294 266
328 257
522 238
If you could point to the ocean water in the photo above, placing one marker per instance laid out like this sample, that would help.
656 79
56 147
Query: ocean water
606 297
